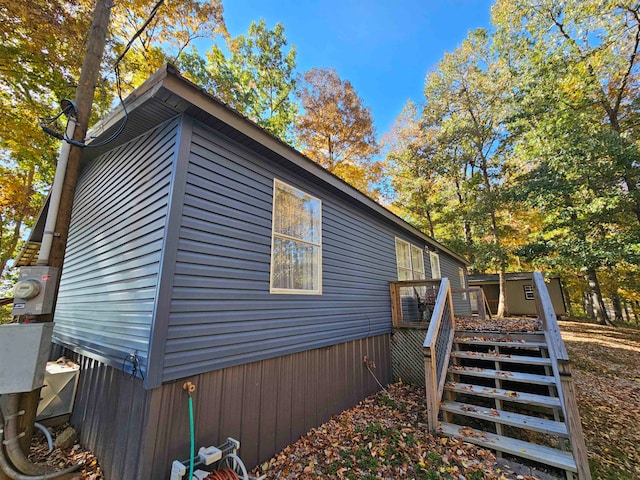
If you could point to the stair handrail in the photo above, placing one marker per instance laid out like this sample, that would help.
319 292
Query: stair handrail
546 313
437 350
562 373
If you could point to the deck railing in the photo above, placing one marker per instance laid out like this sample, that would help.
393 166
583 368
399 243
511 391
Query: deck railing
437 350
439 338
477 301
562 372
413 302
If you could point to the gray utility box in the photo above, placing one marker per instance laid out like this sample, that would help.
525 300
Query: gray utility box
34 292
24 351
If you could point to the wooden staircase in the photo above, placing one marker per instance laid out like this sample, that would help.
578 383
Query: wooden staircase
510 392
501 394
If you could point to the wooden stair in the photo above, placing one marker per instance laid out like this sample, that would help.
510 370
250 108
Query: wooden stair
501 393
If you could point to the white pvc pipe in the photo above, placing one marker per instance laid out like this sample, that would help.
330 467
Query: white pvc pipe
56 194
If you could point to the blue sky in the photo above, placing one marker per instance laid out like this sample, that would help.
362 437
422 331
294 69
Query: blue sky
385 48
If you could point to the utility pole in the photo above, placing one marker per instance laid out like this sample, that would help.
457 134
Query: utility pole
84 101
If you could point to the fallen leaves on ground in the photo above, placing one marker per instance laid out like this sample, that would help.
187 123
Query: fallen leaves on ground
384 436
59 459
606 367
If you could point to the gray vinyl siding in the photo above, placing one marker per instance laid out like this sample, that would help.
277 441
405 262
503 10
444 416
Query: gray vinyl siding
449 267
221 312
108 287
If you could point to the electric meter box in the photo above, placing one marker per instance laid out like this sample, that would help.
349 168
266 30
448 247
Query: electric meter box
34 292
24 351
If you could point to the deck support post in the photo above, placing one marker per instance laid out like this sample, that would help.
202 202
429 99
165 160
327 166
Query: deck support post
431 386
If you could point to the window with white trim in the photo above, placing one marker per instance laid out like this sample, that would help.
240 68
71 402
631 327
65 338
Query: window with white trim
409 260
463 283
528 292
296 244
434 259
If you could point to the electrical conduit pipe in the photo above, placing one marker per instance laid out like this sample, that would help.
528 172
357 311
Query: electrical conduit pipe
56 195
11 443
9 469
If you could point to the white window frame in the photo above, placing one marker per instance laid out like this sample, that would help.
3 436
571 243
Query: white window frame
434 260
295 291
416 272
528 292
463 283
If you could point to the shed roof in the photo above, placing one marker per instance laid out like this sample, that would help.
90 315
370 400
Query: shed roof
167 94
495 278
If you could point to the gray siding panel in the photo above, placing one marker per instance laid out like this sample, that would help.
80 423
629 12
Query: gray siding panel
221 311
449 267
109 282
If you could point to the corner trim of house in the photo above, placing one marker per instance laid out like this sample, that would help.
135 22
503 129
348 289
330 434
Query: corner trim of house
169 253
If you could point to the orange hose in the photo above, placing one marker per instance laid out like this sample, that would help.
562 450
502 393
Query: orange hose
224 474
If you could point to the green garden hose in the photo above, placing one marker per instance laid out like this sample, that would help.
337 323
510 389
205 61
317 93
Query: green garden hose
193 438
190 388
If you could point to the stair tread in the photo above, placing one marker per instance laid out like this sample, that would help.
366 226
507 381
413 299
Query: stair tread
539 453
499 332
498 343
519 420
503 375
502 394
502 358
504 336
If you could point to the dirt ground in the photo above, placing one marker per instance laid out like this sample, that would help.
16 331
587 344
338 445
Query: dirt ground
385 435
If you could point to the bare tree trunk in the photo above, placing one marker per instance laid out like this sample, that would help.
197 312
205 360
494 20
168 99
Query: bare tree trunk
13 243
587 305
467 225
617 307
503 309
634 304
427 214
625 305
596 296
566 298
10 250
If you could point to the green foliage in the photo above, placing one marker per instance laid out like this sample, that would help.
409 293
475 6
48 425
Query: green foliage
256 78
5 314
41 55
574 128
526 150
450 160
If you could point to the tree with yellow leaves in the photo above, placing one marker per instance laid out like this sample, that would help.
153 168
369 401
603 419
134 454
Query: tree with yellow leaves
336 130
40 61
